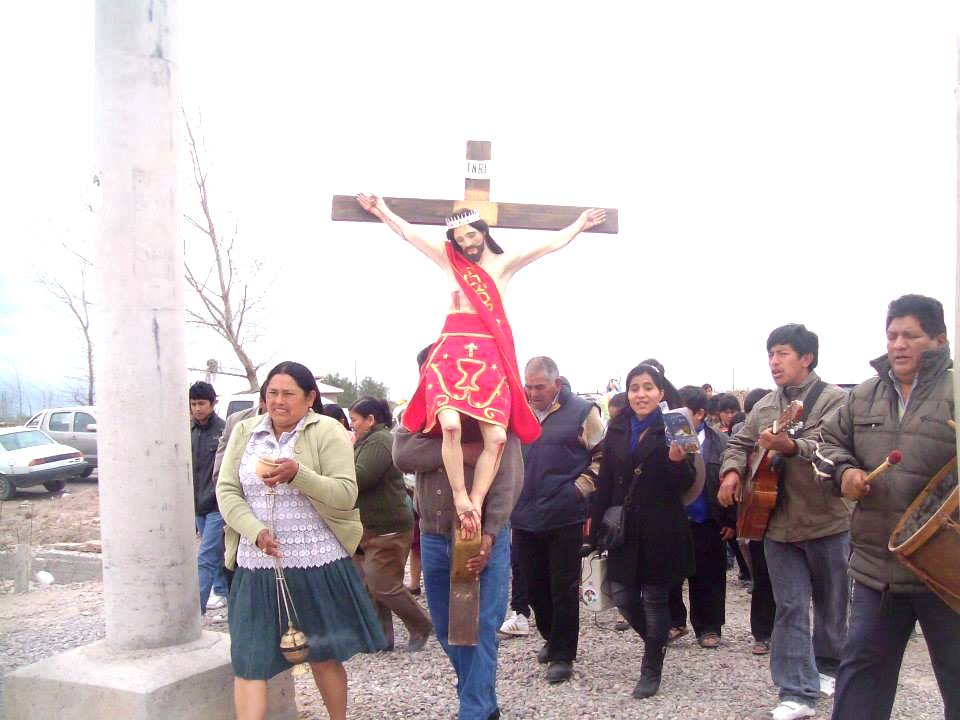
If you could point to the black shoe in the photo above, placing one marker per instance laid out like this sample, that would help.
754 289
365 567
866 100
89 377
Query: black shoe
543 655
495 715
558 671
651 669
621 626
646 687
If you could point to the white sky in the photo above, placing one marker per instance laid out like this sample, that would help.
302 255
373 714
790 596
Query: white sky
772 162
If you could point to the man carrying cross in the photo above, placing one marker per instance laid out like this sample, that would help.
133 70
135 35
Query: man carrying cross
472 369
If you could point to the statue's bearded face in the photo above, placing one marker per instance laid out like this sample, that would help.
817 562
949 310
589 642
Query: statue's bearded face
471 241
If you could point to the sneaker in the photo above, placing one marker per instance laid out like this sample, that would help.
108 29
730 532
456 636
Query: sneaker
516 624
791 710
216 602
827 685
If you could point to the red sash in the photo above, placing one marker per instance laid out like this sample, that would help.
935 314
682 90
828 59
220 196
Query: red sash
485 298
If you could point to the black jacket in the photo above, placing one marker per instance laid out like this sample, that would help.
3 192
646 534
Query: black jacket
203 443
551 465
714 444
659 546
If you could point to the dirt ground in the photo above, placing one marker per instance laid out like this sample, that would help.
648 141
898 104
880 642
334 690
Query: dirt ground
41 518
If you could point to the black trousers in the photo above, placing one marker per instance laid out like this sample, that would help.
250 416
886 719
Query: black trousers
519 601
877 635
708 587
550 564
763 608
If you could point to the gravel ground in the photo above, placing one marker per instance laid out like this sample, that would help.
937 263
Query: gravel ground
724 684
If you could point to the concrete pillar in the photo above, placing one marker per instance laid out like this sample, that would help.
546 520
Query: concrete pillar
146 505
155 663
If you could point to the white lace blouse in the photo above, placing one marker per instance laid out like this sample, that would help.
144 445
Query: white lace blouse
305 540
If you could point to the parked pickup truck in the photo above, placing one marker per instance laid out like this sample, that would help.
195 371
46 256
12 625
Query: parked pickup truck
73 426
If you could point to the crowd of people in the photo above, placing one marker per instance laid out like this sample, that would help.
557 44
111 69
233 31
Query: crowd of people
310 512
304 490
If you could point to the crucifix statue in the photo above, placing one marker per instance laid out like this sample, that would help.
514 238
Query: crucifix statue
472 370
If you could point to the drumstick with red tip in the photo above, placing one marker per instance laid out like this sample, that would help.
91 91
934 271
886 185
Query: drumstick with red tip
893 458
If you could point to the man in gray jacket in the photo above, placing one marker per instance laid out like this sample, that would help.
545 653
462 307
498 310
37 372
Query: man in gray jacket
905 407
807 540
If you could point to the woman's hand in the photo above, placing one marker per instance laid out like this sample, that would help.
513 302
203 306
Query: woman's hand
285 471
677 453
268 542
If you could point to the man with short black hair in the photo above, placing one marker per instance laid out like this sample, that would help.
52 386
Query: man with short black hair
807 539
559 473
906 407
205 431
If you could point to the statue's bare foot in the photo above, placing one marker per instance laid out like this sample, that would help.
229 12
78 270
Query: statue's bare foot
469 518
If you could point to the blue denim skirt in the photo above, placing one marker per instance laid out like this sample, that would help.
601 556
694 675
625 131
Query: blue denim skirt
331 602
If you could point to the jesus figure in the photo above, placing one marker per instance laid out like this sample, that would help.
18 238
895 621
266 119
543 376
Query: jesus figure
472 369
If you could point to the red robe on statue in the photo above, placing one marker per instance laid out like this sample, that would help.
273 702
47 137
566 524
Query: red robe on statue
472 368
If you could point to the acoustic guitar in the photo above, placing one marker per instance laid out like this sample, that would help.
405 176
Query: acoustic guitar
759 493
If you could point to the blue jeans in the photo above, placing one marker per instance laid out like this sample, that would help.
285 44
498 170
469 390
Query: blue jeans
800 572
476 667
210 557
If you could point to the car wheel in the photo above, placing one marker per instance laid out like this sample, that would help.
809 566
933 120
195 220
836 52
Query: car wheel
87 473
55 486
7 488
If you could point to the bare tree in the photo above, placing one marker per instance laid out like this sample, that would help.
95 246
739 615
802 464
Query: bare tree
225 298
78 303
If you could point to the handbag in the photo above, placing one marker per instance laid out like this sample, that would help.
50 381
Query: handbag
614 521
594 593
612 528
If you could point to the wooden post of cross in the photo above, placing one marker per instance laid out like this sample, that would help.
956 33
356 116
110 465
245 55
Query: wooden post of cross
476 195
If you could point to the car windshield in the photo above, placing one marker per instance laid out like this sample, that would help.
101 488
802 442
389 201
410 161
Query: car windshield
29 438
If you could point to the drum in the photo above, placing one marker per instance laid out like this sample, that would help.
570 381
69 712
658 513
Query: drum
927 538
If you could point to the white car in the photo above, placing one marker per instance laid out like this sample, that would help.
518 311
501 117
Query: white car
30 457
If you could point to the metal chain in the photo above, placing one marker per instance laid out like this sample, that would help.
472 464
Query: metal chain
283 590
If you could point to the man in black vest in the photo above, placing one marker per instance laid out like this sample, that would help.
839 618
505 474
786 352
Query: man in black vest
559 472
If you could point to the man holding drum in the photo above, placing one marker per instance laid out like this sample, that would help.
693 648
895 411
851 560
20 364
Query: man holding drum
907 408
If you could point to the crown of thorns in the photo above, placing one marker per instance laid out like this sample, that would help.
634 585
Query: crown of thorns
465 217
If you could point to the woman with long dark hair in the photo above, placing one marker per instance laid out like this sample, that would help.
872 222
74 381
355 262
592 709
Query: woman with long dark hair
648 478
287 490
387 523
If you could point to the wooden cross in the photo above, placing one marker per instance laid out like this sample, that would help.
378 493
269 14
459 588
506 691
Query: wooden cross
476 195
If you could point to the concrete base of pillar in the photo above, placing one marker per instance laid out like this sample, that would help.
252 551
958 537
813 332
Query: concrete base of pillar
186 682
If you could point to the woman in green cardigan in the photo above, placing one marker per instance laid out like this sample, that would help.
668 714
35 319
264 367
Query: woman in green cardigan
297 507
387 523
